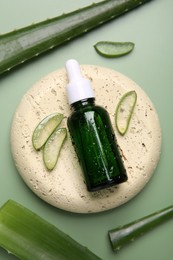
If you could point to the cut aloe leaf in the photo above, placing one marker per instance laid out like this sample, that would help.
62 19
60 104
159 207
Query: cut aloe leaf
44 129
113 49
124 111
53 146
48 34
123 235
28 236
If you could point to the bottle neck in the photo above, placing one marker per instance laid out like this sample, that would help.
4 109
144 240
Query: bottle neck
83 103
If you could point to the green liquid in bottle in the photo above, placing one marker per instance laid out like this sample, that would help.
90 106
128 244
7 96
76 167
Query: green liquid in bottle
95 145
92 135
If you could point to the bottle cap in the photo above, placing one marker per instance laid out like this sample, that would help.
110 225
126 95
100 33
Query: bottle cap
78 87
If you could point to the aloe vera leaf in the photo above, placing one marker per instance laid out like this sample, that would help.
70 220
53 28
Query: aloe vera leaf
23 44
28 236
123 235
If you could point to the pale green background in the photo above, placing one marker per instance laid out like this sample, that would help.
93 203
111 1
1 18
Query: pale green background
150 65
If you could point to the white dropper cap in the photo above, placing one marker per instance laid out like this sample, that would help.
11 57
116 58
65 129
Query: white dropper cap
78 88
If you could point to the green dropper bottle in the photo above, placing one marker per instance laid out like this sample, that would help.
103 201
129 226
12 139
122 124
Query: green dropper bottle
92 134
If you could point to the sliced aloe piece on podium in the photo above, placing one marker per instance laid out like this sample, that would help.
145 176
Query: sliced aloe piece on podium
113 49
45 128
124 111
53 146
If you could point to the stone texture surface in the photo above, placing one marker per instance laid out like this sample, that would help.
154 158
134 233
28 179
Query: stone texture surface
64 187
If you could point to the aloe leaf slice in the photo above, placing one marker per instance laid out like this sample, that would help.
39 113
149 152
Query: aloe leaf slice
124 111
113 49
45 128
53 146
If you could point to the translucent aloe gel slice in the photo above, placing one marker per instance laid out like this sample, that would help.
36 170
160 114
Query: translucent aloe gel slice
44 129
113 49
53 146
124 111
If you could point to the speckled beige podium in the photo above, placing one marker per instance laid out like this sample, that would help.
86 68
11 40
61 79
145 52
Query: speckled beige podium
64 187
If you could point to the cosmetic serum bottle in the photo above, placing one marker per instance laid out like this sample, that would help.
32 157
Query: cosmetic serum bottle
92 134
